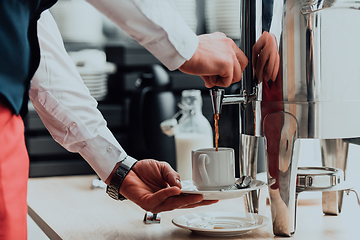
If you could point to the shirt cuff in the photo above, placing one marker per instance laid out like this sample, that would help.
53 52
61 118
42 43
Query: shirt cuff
170 56
102 155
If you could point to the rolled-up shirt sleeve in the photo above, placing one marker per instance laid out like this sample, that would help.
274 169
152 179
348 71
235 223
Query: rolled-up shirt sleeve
66 107
156 25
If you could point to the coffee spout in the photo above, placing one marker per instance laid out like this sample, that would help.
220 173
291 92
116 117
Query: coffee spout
217 96
218 99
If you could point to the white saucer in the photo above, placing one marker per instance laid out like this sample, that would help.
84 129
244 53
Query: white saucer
189 188
220 223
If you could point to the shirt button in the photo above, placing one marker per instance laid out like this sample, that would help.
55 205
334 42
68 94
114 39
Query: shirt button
109 149
73 124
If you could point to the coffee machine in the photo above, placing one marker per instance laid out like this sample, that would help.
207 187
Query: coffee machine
304 101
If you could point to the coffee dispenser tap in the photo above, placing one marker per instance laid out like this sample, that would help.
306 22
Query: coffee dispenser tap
218 98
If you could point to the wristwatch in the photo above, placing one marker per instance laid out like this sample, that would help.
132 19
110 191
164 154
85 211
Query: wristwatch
114 187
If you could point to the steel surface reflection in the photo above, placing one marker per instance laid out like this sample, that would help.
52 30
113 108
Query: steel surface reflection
300 86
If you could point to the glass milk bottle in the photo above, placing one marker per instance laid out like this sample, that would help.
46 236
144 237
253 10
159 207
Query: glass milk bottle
193 131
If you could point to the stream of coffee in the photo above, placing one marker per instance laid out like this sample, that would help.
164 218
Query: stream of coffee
216 118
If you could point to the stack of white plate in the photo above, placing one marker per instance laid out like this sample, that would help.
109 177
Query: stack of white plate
223 16
94 71
187 9
96 82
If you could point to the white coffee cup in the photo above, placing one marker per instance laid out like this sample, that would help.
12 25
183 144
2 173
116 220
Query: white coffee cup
213 170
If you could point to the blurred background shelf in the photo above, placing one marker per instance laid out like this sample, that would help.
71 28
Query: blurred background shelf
48 158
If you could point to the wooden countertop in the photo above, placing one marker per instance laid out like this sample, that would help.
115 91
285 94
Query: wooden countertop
66 208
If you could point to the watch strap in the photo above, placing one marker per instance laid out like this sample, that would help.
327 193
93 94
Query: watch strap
113 189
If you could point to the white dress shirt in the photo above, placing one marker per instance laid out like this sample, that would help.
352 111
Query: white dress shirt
156 25
62 100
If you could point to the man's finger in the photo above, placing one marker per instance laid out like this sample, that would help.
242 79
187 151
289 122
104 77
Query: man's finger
241 57
153 200
261 62
276 68
177 202
237 72
207 82
258 46
202 203
169 175
226 78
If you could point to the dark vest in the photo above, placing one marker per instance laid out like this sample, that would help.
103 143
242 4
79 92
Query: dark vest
19 49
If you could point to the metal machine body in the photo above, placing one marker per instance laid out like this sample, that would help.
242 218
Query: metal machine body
304 101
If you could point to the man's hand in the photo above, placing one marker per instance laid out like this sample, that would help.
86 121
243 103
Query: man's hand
155 187
217 60
266 59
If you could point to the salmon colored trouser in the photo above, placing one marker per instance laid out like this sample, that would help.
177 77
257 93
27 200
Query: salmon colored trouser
14 172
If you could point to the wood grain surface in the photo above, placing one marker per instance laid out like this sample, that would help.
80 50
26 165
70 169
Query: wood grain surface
67 208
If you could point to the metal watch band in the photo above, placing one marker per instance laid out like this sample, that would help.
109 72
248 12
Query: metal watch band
114 187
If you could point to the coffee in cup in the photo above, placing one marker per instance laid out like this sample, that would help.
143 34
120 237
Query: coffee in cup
213 169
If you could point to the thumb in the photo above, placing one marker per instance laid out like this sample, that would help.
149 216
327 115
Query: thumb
170 176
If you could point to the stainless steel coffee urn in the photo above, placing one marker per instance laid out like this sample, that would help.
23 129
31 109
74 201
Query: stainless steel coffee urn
306 100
